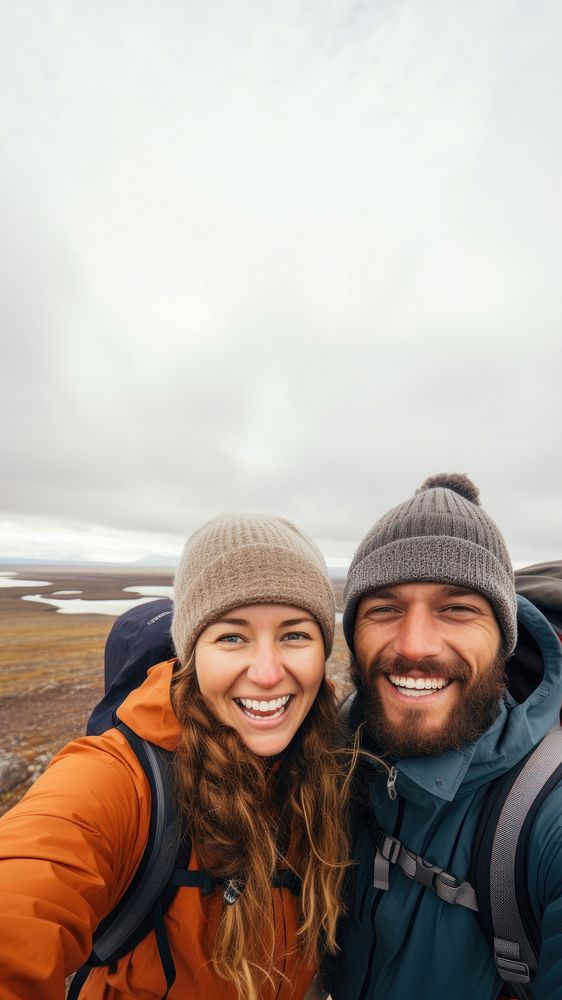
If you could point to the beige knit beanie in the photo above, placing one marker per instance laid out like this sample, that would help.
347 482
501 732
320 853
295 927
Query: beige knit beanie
239 559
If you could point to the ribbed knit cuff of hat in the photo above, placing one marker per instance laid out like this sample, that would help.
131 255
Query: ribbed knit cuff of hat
434 559
268 574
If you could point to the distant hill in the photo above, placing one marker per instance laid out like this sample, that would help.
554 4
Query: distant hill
150 562
337 573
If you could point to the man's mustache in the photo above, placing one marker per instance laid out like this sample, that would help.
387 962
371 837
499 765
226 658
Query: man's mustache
454 670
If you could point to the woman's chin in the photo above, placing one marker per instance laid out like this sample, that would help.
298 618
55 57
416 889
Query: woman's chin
267 745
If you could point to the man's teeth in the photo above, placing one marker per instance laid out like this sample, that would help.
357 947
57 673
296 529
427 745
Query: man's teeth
416 686
264 706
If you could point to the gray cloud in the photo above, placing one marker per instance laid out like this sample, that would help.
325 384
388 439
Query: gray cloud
292 260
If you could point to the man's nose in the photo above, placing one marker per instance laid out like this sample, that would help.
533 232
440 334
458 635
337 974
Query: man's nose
417 635
266 665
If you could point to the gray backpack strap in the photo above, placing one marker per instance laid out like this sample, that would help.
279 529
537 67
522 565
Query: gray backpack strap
515 953
390 851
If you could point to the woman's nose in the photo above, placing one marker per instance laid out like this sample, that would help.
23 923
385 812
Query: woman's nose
266 666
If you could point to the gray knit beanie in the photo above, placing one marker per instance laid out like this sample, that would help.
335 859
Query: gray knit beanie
440 535
239 559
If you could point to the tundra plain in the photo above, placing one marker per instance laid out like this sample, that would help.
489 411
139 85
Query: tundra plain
51 664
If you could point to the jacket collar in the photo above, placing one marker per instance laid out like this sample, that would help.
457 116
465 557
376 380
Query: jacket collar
148 710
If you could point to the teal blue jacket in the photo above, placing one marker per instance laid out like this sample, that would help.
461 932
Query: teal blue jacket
407 944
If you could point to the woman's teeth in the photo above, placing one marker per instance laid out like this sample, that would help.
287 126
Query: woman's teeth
415 687
271 709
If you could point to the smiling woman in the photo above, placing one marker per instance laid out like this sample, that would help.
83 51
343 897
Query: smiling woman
253 624
259 783
261 679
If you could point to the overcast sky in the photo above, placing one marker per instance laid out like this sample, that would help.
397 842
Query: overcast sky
277 257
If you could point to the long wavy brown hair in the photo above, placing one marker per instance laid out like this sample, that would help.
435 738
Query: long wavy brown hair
248 817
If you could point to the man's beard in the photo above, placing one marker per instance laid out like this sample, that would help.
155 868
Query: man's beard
474 709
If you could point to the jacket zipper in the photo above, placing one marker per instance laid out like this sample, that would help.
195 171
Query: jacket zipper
364 993
391 784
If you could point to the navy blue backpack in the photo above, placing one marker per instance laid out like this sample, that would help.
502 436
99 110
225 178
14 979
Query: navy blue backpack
138 639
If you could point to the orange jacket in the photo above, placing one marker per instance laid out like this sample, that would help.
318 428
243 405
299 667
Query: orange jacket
68 851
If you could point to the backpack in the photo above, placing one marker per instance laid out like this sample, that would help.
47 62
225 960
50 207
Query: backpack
138 640
497 890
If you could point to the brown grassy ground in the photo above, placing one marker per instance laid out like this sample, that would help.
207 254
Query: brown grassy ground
51 664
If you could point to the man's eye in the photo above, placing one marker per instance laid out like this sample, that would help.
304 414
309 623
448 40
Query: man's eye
383 609
460 609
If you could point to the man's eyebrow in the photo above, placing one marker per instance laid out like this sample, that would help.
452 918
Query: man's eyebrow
451 590
446 590
384 593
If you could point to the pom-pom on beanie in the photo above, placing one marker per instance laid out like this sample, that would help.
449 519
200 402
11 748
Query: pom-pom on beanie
240 559
440 535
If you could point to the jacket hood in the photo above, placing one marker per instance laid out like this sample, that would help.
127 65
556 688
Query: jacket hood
148 710
517 728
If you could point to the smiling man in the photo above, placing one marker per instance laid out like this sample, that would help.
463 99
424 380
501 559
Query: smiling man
428 663
431 620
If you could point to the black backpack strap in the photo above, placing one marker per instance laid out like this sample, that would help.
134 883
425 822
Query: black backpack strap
118 933
499 868
152 888
78 980
285 878
163 945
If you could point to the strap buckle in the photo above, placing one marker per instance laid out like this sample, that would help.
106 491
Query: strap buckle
425 872
390 851
390 848
512 971
509 964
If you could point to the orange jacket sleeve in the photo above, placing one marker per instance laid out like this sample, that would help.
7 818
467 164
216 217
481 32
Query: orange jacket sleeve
67 853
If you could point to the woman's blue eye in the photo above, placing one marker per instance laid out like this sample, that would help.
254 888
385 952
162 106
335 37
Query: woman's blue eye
232 639
296 635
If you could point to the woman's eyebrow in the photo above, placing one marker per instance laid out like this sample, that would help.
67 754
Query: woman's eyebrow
230 621
244 622
295 621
